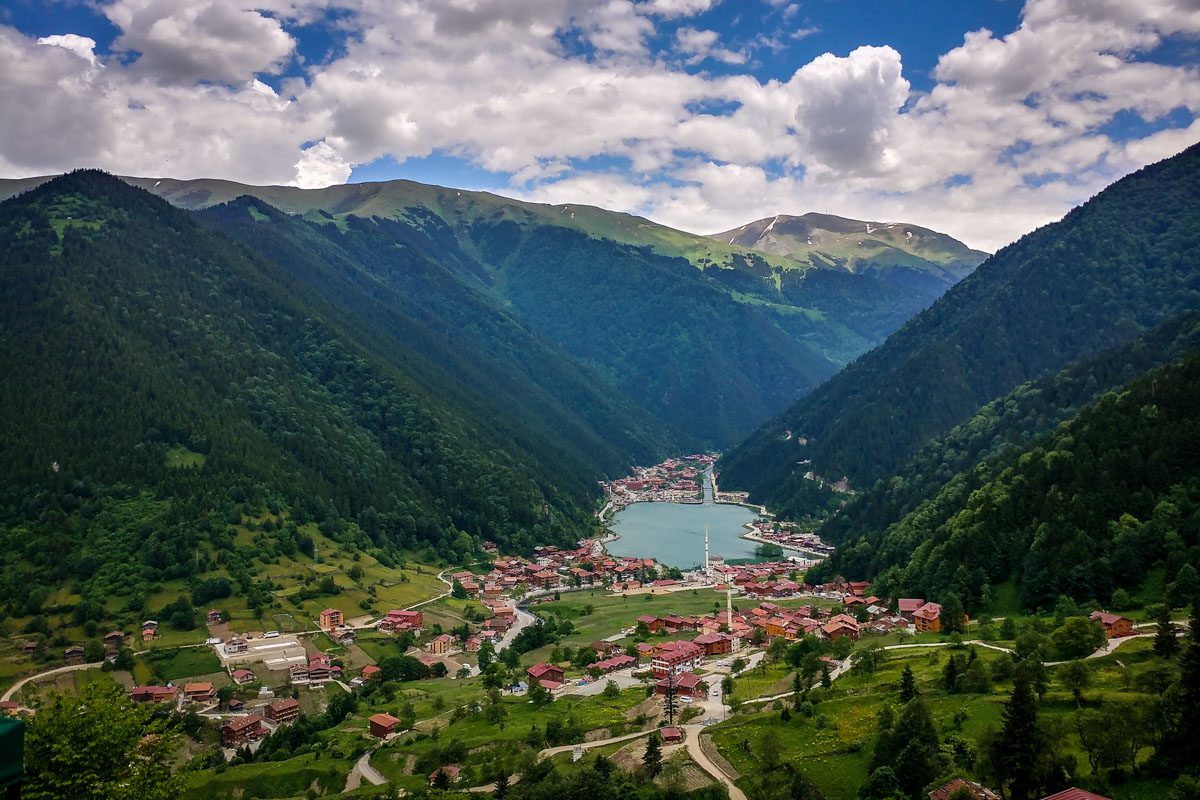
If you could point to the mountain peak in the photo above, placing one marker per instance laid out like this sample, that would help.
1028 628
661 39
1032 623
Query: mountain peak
827 240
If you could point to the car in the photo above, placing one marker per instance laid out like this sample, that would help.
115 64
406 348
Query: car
685 700
271 635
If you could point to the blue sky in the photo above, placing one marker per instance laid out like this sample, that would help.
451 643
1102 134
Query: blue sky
983 119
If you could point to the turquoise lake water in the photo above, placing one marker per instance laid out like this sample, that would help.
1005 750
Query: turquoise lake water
673 533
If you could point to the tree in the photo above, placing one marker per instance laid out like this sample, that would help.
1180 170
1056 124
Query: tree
611 690
92 747
1166 643
908 687
1008 629
1015 752
909 747
953 614
1182 743
93 651
1077 637
1076 676
977 679
652 760
881 785
867 659
457 591
1185 587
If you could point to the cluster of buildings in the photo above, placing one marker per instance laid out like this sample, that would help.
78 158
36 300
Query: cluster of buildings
789 536
676 480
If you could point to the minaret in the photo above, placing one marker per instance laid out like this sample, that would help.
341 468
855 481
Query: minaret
707 568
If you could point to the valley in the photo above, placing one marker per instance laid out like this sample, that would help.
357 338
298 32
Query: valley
335 492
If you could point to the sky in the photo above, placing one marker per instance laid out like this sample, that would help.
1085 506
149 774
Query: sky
981 118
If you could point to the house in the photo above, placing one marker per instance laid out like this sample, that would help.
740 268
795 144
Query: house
613 663
235 705
74 653
452 772
383 725
671 735
371 671
243 676
959 786
543 673
398 620
1114 625
440 645
675 658
114 639
908 606
241 730
1075 794
654 624
154 694
688 685
714 644
29 646
928 618
330 619
841 626
9 708
319 668
199 692
605 649
281 711
213 616
148 634
298 673
236 645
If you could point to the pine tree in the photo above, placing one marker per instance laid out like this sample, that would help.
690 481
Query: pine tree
1017 749
952 614
1166 644
653 757
1183 741
908 684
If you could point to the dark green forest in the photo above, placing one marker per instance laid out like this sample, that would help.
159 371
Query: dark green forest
1097 505
1116 266
160 379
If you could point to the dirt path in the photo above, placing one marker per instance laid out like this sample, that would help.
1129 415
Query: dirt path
16 687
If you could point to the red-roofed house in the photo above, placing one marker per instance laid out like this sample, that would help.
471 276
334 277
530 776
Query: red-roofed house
909 605
199 692
928 618
370 671
958 786
440 645
453 773
1075 794
383 725
330 619
714 644
240 730
284 710
687 684
541 673
1114 624
676 657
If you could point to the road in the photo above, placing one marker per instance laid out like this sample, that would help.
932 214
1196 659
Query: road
16 687
363 771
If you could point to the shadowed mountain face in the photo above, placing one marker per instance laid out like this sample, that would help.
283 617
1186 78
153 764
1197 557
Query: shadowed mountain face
1122 263
710 338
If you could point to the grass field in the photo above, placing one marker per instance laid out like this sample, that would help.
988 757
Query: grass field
833 749
291 778
179 663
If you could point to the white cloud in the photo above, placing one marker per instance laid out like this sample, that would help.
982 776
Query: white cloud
698 45
534 87
199 40
82 46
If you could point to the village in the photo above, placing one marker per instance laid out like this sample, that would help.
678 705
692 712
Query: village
570 624
676 480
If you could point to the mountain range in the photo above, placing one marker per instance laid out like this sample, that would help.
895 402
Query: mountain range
711 338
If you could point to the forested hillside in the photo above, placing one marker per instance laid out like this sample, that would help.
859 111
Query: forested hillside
1118 265
159 377
1106 500
710 337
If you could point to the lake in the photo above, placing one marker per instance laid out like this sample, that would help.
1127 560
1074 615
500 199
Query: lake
673 533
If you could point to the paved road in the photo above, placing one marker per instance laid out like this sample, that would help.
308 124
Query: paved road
363 771
705 763
16 687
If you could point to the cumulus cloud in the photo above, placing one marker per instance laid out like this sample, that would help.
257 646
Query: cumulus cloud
1015 129
697 45
199 40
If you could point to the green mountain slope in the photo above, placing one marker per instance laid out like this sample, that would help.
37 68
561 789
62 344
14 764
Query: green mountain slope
896 249
1099 504
878 531
160 379
1120 264
711 337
